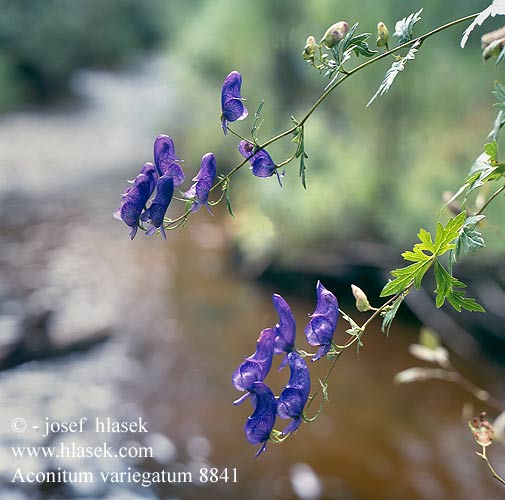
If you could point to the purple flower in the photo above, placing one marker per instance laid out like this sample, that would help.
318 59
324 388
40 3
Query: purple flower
256 367
231 102
261 163
166 160
199 191
293 398
135 198
285 329
321 327
261 423
159 205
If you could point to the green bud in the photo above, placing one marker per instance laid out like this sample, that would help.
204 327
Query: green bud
493 49
382 35
335 33
310 48
362 304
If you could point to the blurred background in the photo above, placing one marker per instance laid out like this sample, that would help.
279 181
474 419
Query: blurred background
92 324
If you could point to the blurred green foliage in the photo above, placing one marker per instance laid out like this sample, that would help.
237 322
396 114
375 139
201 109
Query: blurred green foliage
42 42
373 174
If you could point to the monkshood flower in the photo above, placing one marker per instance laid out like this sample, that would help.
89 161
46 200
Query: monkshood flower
261 163
232 107
293 398
285 329
155 214
198 193
260 424
166 160
321 327
135 199
256 367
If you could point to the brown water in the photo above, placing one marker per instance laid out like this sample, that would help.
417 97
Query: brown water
181 319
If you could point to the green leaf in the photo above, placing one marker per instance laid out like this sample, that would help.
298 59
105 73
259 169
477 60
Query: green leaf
406 276
500 57
394 71
499 91
423 255
324 389
298 138
257 122
405 27
228 200
491 150
445 236
469 238
498 123
390 314
446 289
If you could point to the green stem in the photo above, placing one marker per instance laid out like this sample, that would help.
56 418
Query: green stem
355 70
351 342
330 89
490 199
237 135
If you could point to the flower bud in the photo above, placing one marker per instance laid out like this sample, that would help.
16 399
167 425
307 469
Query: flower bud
382 34
493 49
362 303
310 48
482 430
335 33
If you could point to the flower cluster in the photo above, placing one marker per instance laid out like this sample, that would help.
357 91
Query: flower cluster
161 178
250 375
156 182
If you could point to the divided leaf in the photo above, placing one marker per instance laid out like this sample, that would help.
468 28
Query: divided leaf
393 72
423 255
404 28
446 289
298 138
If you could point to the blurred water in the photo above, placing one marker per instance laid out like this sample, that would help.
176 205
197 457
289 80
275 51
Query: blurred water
180 320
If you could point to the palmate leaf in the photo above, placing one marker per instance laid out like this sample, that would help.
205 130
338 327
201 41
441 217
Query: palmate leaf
447 286
405 27
393 72
485 168
423 255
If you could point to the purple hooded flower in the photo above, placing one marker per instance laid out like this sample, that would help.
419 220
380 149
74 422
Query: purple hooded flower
261 423
199 191
135 198
293 398
159 205
321 327
285 329
231 102
166 160
261 163
256 367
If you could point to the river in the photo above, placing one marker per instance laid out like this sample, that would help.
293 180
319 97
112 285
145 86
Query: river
178 319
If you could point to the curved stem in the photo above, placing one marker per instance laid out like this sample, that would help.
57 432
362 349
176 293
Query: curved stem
351 342
489 466
471 388
330 89
237 135
490 199
351 72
